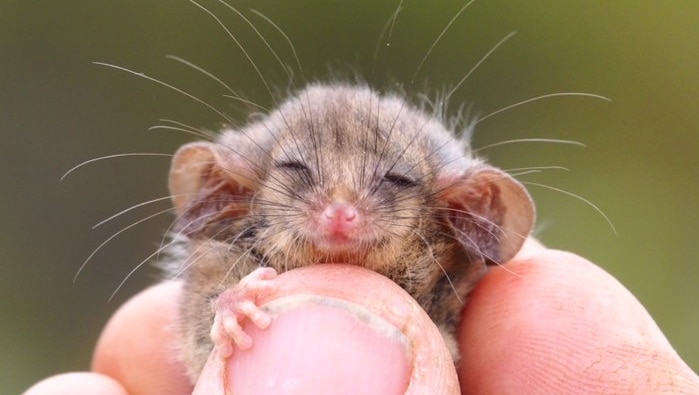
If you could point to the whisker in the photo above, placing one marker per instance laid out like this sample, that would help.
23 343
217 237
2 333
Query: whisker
122 212
491 259
174 239
388 27
269 47
132 271
203 133
431 252
203 71
473 69
169 232
530 140
240 46
242 256
99 247
193 258
516 169
178 90
387 141
184 130
249 102
481 218
434 44
198 253
525 172
609 222
537 98
112 156
288 41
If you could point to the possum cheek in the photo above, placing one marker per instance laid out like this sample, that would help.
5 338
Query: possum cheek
490 212
207 186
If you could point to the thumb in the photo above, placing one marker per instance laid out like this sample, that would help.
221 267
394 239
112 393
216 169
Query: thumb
557 323
337 329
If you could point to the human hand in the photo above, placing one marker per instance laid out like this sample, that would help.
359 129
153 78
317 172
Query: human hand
546 322
553 322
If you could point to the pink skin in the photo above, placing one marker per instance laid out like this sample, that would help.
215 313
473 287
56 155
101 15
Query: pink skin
239 303
530 333
338 221
339 227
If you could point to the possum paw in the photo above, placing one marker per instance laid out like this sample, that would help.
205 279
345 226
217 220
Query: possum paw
239 303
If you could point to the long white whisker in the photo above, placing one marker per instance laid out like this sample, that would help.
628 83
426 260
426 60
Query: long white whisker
122 212
288 40
264 40
178 90
451 283
611 225
203 71
195 256
113 156
530 140
196 131
524 172
183 130
434 44
515 169
537 98
132 271
246 101
242 256
475 67
484 256
532 170
240 46
388 27
85 262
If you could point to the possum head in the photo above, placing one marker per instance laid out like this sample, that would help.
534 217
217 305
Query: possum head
341 174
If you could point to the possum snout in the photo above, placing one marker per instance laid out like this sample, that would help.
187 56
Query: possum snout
340 219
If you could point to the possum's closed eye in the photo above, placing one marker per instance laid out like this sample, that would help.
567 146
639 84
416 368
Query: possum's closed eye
291 165
400 180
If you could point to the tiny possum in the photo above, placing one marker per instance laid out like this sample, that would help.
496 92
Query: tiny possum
337 173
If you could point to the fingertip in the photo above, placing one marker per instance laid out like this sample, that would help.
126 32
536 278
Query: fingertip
558 323
78 383
138 345
319 348
338 329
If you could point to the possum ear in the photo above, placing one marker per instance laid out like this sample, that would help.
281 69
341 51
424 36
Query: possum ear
490 212
207 184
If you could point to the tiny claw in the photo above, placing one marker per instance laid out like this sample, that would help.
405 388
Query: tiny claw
242 340
259 317
239 303
225 349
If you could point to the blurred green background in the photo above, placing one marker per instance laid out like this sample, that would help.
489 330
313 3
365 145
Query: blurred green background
57 109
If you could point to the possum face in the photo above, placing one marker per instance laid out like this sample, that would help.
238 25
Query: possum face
342 180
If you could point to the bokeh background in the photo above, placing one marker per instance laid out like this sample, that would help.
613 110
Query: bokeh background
640 163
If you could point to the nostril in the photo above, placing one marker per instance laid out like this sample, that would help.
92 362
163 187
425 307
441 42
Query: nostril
340 213
350 213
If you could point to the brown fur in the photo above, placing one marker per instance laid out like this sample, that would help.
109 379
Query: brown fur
433 215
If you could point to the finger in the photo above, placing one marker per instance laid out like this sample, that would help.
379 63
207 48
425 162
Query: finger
337 329
138 346
77 384
555 323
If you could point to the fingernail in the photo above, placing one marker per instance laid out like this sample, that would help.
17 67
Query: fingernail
321 345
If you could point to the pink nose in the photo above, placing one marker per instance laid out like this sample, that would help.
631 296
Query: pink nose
340 217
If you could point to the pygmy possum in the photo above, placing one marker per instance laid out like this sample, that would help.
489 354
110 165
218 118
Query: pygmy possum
337 173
